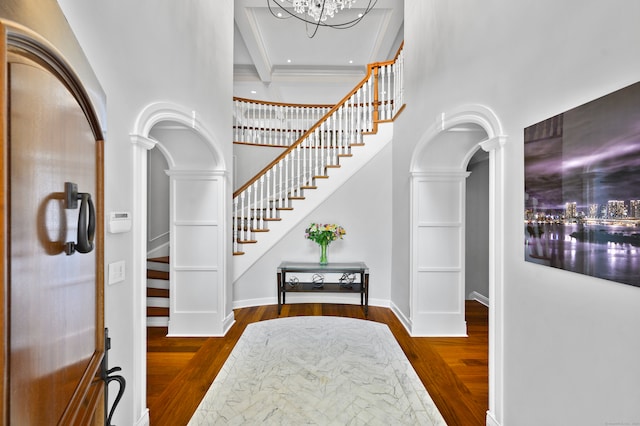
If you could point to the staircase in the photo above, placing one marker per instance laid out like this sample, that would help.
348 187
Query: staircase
349 134
158 292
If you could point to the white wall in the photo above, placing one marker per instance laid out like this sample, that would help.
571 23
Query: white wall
142 52
361 206
250 159
158 202
477 229
570 341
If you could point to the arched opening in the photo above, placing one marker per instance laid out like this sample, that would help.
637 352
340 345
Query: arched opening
439 171
200 303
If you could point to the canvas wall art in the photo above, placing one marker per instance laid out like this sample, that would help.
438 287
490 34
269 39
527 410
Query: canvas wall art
582 189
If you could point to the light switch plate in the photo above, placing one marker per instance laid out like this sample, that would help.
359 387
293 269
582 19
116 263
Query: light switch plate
116 272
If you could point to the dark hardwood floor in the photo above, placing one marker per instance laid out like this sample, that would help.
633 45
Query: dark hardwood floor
454 370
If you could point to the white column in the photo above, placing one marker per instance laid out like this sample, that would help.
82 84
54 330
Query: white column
141 145
496 281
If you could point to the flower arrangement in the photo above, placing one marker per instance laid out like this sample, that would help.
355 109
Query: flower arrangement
324 234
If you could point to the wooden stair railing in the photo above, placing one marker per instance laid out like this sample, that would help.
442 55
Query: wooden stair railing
377 98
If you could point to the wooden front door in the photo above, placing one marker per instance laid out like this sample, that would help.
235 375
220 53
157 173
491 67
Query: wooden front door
53 307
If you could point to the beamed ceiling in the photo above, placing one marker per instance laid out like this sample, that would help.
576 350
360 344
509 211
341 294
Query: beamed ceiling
274 60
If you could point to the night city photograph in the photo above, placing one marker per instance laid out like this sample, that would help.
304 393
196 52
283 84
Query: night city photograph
582 189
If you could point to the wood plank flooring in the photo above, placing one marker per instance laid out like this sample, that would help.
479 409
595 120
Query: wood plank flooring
454 370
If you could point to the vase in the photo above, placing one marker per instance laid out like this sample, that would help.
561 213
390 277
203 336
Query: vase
323 253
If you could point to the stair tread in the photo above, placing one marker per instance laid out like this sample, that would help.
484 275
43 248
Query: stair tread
161 259
157 312
157 292
157 275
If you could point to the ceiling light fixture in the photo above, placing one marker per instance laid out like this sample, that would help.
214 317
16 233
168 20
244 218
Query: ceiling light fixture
317 12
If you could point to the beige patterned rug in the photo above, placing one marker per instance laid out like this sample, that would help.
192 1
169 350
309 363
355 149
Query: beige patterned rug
317 371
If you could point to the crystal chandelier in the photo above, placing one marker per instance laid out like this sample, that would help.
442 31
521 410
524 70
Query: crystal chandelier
317 12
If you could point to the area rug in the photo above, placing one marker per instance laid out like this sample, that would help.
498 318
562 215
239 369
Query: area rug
317 371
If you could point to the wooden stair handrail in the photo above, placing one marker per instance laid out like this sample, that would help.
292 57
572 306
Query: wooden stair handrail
257 101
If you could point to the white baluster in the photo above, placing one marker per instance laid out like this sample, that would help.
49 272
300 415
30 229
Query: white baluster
297 123
358 117
234 233
334 138
261 124
260 212
301 166
389 105
340 140
273 204
384 94
323 146
245 196
249 220
318 150
239 121
370 103
270 124
401 80
279 125
277 192
242 215
352 123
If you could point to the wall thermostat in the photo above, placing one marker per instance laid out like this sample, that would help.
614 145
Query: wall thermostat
119 222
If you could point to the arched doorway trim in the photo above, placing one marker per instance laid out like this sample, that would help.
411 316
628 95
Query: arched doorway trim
468 114
182 177
158 112
421 168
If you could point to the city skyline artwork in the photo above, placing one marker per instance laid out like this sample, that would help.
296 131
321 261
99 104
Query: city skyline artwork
582 188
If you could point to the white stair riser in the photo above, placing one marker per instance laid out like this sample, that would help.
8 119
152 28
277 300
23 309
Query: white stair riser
157 321
157 266
157 302
155 283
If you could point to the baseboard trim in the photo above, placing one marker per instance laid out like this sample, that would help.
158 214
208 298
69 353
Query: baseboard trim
406 322
228 322
474 295
144 419
491 420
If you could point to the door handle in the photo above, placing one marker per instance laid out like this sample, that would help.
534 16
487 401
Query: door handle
86 225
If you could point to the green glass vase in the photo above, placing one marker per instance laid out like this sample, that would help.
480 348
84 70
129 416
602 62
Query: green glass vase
323 253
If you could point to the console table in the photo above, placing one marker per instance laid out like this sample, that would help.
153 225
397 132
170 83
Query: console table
342 286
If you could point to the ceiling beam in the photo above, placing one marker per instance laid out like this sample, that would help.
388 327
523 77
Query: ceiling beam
250 33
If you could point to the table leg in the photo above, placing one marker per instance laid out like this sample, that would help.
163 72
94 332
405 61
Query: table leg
279 282
366 294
